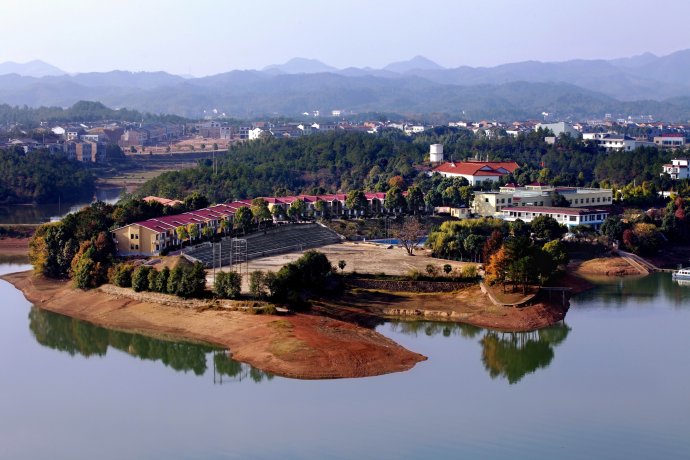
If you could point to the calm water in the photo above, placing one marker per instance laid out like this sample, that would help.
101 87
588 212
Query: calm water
36 214
612 383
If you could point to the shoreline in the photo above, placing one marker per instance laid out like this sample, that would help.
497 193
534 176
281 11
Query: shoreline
335 340
297 346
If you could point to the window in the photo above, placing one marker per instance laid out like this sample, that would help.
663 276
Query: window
136 246
131 236
136 237
510 200
572 219
486 200
131 246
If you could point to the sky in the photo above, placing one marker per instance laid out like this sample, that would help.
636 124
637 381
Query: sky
204 37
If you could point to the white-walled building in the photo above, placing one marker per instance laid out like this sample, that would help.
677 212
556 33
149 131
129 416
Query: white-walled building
476 172
678 169
570 217
611 141
559 128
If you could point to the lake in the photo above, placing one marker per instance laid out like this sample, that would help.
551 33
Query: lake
611 382
37 214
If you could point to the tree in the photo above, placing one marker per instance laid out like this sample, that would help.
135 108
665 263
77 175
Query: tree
162 280
225 226
321 207
140 278
546 227
181 233
558 252
356 201
613 228
473 244
257 283
296 209
227 285
395 200
493 244
153 280
415 200
447 268
83 267
409 234
497 267
396 181
260 211
243 219
121 275
207 232
195 200
341 265
193 232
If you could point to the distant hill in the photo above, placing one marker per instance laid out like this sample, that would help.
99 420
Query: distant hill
30 69
416 63
640 85
300 65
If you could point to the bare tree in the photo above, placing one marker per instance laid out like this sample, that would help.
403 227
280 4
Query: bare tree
409 234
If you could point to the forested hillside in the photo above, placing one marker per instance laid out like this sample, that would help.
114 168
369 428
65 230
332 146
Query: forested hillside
333 162
40 177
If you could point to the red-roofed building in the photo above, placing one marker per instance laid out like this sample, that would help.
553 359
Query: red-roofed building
477 172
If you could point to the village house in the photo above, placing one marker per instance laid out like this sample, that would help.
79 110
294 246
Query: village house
678 169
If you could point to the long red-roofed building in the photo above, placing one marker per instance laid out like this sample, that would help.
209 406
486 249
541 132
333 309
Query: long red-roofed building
477 172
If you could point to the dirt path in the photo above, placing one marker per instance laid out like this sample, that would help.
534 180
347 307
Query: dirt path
298 346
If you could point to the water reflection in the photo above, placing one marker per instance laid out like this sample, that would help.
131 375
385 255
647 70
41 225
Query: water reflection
510 355
36 214
77 337
617 292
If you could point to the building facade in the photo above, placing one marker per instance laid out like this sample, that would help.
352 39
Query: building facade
678 169
477 172
569 217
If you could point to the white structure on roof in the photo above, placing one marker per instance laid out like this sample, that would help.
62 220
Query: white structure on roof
436 153
678 169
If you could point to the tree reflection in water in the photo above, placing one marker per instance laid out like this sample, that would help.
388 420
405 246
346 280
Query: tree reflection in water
510 355
77 337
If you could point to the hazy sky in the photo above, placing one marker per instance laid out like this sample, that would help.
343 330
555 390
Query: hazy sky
202 37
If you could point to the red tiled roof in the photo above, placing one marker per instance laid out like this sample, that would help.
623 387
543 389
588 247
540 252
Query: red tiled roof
476 168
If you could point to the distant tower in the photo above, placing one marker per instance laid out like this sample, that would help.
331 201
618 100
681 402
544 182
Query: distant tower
436 153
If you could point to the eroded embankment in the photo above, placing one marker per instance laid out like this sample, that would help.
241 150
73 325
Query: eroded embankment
467 305
299 346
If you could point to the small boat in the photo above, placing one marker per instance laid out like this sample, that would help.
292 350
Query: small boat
682 274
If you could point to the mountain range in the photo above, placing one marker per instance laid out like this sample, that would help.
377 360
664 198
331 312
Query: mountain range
640 85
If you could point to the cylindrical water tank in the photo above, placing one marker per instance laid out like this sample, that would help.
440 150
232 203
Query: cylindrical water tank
436 148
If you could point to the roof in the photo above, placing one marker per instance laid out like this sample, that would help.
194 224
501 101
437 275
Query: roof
554 210
478 168
163 201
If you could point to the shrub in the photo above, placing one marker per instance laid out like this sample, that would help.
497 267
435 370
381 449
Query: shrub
153 279
431 270
447 269
140 278
227 285
257 280
174 280
162 281
469 271
121 275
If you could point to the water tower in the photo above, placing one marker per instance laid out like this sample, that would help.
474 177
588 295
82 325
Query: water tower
436 153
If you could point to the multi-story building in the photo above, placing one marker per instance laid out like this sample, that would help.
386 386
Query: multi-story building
570 217
537 195
678 169
611 141
670 141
